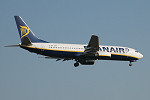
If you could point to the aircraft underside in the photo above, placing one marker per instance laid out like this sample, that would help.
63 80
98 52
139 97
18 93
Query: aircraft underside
84 60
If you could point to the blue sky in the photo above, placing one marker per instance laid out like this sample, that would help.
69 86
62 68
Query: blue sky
27 76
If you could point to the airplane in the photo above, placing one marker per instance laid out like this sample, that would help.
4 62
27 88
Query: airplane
84 54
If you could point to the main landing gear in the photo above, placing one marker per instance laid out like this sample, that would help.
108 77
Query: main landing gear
76 64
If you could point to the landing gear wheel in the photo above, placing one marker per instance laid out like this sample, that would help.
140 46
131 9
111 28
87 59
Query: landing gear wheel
130 64
76 64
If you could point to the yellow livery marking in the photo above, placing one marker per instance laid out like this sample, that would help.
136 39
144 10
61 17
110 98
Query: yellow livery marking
24 31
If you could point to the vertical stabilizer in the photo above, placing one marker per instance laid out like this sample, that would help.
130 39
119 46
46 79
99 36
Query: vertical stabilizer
25 31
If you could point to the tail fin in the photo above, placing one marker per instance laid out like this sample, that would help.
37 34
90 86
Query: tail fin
25 31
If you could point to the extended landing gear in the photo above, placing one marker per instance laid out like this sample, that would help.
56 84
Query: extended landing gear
76 64
130 63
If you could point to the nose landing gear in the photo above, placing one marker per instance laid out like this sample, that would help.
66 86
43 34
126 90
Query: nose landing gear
130 63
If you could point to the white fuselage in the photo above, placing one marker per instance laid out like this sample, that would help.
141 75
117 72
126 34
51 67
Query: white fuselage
80 48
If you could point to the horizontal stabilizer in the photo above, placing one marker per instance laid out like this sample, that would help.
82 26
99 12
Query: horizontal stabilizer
12 46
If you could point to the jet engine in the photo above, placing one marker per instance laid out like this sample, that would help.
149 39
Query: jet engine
86 62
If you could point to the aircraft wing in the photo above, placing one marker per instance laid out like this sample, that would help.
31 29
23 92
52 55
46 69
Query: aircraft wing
93 47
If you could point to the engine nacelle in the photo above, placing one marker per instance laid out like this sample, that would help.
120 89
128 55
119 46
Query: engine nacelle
87 62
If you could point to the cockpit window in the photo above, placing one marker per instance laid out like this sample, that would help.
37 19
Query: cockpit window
137 51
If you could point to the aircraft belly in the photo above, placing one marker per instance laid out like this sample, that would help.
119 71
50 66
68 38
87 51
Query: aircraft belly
117 57
74 55
122 57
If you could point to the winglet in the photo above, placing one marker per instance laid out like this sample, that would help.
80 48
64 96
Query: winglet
94 42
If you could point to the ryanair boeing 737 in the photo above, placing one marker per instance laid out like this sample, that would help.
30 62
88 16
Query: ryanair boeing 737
81 54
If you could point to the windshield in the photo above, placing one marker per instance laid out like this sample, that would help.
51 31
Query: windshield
136 51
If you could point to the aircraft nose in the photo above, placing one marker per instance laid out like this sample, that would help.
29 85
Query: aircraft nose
140 55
